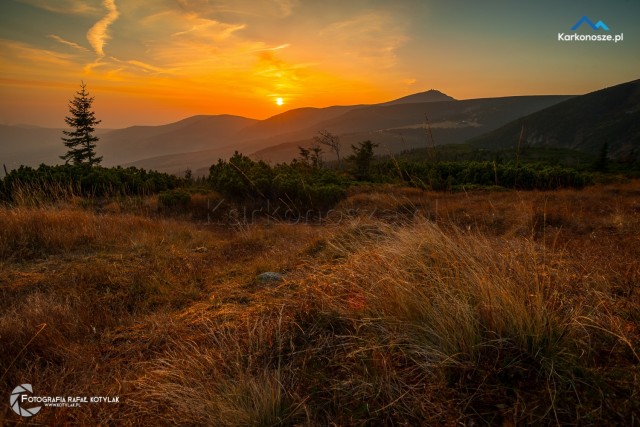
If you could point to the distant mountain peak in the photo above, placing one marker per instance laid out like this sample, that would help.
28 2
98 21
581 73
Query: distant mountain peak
435 92
431 95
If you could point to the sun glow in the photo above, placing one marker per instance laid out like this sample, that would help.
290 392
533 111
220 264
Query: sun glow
279 101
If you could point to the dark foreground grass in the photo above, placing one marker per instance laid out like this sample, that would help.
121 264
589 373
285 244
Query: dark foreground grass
414 309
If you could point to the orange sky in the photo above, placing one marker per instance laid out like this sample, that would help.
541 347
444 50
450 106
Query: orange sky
156 61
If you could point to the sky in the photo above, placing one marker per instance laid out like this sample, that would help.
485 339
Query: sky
150 62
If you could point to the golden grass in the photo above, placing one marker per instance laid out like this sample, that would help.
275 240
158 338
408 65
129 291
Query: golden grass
416 308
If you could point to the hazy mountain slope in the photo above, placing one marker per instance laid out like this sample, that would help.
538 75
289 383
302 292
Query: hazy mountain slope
32 145
486 112
585 123
402 126
29 145
197 142
303 119
292 121
191 134
197 160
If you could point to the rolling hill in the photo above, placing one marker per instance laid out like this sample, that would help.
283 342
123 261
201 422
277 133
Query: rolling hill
197 142
191 134
400 127
583 123
394 127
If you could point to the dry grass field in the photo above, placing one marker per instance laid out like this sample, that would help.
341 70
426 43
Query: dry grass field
403 307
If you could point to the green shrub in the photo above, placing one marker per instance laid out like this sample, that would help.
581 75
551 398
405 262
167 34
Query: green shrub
83 180
173 199
448 175
296 187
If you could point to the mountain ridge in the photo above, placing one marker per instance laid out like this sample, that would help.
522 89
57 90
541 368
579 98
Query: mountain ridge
402 126
198 141
610 115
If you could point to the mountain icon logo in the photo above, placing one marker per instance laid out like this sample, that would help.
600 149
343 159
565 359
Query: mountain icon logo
598 25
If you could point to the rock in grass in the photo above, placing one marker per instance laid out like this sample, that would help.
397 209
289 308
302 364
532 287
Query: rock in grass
270 277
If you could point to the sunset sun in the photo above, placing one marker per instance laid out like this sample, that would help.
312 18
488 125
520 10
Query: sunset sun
279 101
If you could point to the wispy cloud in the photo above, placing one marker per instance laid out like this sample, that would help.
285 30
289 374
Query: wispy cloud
208 28
271 66
274 48
66 7
279 77
148 67
286 6
194 43
98 34
88 68
68 43
373 37
265 9
24 52
145 66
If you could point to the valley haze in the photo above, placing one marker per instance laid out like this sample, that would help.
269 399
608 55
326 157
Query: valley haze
197 142
579 122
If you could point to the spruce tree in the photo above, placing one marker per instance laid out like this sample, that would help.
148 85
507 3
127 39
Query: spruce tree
362 158
80 140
